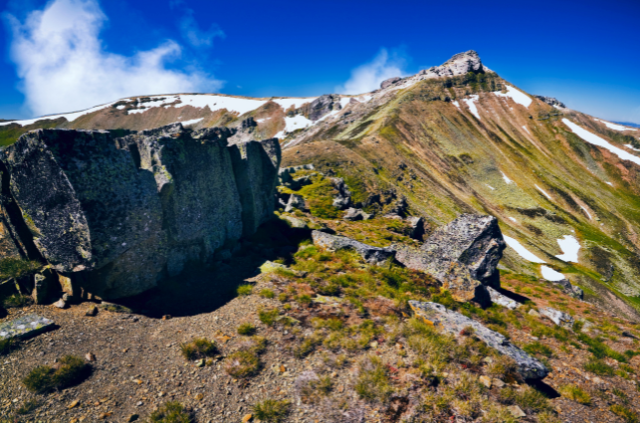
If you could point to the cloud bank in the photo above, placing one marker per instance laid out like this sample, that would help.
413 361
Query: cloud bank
367 77
63 66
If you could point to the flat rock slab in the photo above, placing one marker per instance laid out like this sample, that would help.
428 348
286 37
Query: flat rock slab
502 300
24 327
372 255
451 322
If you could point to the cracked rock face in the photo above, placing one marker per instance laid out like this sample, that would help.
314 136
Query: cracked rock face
324 105
453 323
551 101
117 214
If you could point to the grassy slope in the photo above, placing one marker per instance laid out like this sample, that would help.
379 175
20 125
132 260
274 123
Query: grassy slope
446 161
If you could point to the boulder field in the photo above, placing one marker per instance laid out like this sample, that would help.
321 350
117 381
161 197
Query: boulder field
114 215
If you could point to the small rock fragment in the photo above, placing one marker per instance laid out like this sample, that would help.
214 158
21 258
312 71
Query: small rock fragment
90 357
92 311
534 313
516 411
132 418
60 303
503 300
486 381
73 404
558 317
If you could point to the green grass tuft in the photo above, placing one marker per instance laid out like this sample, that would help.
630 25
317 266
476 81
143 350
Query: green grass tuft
16 268
246 329
69 371
198 348
575 393
171 412
271 411
244 290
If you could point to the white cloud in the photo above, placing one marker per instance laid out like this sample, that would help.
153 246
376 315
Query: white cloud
64 67
367 77
194 35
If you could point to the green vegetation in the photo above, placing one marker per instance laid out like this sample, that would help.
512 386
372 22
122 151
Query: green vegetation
69 371
27 407
575 393
268 317
272 411
16 268
373 380
538 348
8 345
599 368
171 412
17 301
243 363
246 329
267 293
244 290
629 416
198 348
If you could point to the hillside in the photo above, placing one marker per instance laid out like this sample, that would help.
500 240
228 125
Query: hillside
447 248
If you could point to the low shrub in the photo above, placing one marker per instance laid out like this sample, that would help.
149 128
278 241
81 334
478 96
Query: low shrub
599 368
17 300
69 371
246 329
171 412
626 414
538 348
267 293
8 345
530 400
243 363
575 393
198 348
272 411
27 407
16 268
268 317
244 290
373 382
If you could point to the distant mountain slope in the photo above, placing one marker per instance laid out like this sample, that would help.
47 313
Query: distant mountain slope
451 139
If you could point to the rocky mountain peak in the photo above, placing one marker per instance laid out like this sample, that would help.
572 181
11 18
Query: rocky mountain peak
551 101
459 64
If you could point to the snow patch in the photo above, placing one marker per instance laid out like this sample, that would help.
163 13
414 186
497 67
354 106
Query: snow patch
570 247
296 122
492 188
543 192
191 122
472 105
455 103
609 183
516 95
615 126
526 129
550 274
600 142
587 212
506 178
521 250
632 147
344 101
514 219
285 103
70 117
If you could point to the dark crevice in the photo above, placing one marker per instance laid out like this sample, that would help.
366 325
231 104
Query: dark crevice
16 220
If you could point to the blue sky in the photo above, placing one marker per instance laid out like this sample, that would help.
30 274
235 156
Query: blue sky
66 55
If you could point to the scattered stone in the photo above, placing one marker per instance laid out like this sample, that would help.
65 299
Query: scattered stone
498 383
90 357
295 202
372 255
343 199
453 323
284 174
354 214
534 313
294 222
502 300
60 303
247 418
516 411
133 418
570 289
200 363
92 311
486 381
24 327
73 404
558 317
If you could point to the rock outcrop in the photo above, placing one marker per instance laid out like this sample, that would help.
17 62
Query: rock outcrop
389 82
324 105
558 317
372 255
459 64
551 101
343 199
115 215
462 255
453 323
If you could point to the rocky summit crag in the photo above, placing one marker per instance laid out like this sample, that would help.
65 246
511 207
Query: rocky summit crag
112 216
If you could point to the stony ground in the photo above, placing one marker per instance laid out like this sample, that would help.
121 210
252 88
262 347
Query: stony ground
138 366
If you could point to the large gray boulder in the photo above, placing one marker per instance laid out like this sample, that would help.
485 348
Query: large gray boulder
453 323
372 255
459 64
342 200
473 240
115 215
389 82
